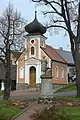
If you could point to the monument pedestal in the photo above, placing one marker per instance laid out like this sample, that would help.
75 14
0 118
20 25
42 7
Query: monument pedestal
46 95
46 86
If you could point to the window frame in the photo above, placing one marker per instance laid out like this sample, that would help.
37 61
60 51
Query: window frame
56 72
33 55
31 40
21 73
62 73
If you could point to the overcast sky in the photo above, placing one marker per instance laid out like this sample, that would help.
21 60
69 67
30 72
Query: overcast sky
27 10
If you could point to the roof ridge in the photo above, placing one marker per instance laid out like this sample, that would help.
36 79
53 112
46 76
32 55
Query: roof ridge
63 50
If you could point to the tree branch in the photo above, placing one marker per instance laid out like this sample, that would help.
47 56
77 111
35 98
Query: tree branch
2 50
3 35
48 12
54 2
53 7
36 0
58 26
67 21
58 21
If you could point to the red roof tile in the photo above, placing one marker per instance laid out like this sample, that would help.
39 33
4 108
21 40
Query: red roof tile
52 54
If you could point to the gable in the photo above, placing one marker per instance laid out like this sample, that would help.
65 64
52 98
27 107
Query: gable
22 56
44 54
15 54
32 60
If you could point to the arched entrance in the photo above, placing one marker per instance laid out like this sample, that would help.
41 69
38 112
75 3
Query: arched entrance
32 76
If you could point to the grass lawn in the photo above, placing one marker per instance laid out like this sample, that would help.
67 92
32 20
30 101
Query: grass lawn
1 93
74 112
70 87
67 98
6 111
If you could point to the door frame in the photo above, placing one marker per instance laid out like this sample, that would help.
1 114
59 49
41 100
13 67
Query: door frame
38 72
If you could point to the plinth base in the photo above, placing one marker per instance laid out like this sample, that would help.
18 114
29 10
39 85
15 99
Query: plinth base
46 100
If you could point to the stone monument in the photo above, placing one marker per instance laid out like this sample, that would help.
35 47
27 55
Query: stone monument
46 80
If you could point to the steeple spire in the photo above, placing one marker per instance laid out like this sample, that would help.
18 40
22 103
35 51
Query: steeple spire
35 26
35 14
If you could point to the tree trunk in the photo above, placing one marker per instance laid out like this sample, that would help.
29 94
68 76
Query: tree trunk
77 66
78 84
7 86
7 83
76 56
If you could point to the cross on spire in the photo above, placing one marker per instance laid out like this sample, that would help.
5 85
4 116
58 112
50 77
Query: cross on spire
35 14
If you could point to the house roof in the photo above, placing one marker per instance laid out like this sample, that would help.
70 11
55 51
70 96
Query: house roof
52 54
16 54
66 55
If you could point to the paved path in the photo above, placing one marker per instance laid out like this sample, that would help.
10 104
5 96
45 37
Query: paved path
26 115
35 106
67 93
19 94
35 94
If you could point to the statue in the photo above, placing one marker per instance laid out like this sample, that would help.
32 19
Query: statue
46 80
43 65
48 72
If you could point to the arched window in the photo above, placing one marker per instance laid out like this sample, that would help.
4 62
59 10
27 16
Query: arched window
21 72
32 50
62 72
57 72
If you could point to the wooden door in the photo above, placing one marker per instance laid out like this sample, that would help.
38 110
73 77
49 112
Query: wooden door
32 77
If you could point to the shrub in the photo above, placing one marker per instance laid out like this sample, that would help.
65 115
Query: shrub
51 113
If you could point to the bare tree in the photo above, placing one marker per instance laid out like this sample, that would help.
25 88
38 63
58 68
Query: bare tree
11 36
65 14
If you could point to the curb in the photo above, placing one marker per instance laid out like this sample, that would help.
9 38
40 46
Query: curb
21 112
30 105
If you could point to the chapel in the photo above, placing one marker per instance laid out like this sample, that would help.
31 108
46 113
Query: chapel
36 49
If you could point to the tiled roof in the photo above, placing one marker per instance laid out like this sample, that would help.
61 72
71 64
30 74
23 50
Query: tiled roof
16 54
66 55
52 54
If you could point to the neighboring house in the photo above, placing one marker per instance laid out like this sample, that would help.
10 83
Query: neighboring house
29 62
14 56
67 56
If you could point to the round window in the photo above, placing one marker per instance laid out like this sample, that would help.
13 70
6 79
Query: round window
32 41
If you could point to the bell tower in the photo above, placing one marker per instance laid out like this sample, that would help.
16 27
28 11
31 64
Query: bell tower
35 38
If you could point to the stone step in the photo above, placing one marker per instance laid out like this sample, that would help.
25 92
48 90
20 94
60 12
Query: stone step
32 89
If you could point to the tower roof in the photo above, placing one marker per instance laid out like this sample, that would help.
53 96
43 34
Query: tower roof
35 26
